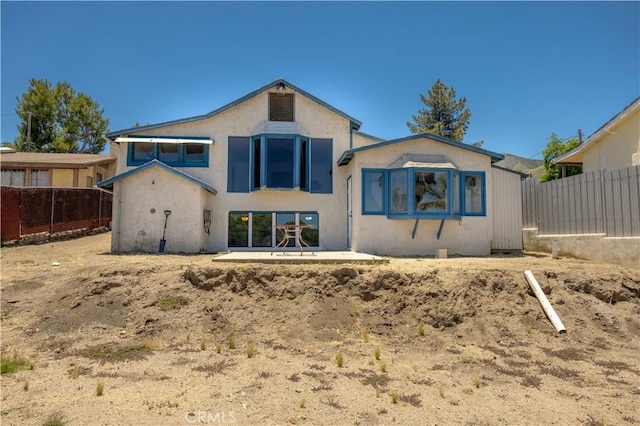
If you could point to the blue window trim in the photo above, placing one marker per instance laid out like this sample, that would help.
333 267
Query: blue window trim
383 209
463 207
182 162
411 213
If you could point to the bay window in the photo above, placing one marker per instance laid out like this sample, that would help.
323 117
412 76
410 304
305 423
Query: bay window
414 192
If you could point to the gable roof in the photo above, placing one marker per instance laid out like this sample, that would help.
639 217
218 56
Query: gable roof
108 183
51 160
574 156
346 156
355 124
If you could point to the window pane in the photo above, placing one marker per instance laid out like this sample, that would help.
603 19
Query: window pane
257 164
39 178
456 192
285 219
142 151
398 189
194 152
238 167
304 146
310 235
13 177
238 230
431 191
261 230
168 152
373 192
321 166
280 161
473 193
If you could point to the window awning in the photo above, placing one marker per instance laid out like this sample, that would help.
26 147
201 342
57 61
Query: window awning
163 139
423 161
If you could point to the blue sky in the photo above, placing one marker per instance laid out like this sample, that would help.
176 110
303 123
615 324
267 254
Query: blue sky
527 69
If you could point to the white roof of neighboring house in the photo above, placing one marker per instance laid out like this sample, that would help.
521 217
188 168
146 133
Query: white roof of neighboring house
575 155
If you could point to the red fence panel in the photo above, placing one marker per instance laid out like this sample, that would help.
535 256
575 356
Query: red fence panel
28 211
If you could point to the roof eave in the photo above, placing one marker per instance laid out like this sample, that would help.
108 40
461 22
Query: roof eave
353 123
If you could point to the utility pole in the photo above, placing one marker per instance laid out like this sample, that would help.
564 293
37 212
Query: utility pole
580 136
29 131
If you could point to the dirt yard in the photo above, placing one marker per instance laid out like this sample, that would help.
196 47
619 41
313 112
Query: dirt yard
178 340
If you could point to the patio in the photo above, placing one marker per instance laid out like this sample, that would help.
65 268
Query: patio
293 257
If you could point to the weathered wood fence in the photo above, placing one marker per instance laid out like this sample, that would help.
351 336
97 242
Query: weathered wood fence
598 202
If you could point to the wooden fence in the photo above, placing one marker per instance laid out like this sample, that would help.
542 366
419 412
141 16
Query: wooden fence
27 211
598 202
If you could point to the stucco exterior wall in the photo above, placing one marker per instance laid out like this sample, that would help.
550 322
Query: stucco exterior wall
146 196
617 149
471 235
247 119
62 177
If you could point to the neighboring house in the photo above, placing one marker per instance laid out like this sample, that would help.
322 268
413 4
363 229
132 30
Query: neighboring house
613 146
279 155
57 170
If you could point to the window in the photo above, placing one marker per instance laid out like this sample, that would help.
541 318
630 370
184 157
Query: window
238 168
310 235
12 177
99 177
473 199
238 230
281 107
373 192
172 154
437 193
255 229
39 178
261 229
321 166
430 189
399 188
280 162
142 152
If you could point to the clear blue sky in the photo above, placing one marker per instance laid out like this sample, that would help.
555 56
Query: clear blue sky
526 69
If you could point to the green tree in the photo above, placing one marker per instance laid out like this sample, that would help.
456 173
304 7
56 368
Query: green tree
555 148
444 115
61 120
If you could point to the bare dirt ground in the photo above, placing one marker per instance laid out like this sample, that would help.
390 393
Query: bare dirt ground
155 331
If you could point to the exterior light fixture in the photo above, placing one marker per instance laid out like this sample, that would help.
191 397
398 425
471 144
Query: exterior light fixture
281 89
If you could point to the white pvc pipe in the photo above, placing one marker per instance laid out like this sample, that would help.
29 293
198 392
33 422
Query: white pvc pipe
544 302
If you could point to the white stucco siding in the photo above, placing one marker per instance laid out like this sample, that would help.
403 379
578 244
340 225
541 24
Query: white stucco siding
145 196
471 235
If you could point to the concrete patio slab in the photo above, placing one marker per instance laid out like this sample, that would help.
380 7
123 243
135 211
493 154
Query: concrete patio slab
294 257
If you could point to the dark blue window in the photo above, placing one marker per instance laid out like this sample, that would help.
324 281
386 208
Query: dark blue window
280 162
172 154
238 166
473 194
321 166
373 192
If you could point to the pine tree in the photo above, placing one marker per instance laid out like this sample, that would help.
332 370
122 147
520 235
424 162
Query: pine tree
444 115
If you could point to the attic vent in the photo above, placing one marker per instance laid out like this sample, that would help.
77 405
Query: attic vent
280 107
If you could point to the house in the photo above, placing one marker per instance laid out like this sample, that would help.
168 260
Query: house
37 169
613 146
279 155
